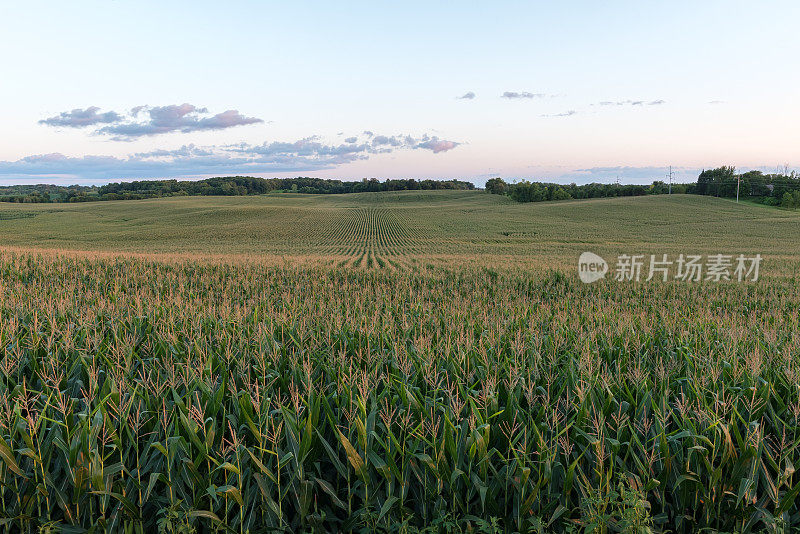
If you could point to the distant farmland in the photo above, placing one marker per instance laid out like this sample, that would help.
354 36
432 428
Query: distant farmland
404 226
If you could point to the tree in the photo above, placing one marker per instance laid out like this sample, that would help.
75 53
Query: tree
659 188
496 186
788 201
719 182
559 193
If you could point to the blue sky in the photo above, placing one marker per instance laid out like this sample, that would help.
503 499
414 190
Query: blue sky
115 90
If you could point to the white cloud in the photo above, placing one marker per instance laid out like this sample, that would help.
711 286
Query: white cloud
306 154
147 121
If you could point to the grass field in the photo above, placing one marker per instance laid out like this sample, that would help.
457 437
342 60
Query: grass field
396 362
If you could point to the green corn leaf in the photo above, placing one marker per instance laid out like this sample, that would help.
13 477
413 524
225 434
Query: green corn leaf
8 458
327 488
387 505
231 491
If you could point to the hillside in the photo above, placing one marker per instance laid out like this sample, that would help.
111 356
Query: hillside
390 228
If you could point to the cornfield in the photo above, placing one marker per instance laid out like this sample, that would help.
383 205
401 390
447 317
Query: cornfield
179 396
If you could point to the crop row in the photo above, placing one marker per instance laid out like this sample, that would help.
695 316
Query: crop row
140 395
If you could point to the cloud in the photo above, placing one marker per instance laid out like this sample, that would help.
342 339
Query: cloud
564 114
81 118
184 118
307 154
437 145
632 103
384 141
351 139
717 102
466 96
622 103
150 120
511 95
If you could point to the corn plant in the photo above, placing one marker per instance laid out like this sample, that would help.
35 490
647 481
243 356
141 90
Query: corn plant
181 395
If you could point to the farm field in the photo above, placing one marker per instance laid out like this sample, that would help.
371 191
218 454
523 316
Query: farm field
399 362
403 227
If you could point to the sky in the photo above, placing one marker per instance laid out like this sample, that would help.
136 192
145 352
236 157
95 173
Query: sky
104 91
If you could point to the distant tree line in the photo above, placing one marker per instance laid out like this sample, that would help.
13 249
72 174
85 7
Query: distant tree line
778 189
225 186
526 191
32 194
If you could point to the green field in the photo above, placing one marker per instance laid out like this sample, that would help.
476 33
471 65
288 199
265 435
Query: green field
394 362
404 226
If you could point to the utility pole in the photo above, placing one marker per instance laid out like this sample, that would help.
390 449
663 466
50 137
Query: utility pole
738 181
670 179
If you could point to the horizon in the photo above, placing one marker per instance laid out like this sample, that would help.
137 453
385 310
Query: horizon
508 180
120 92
